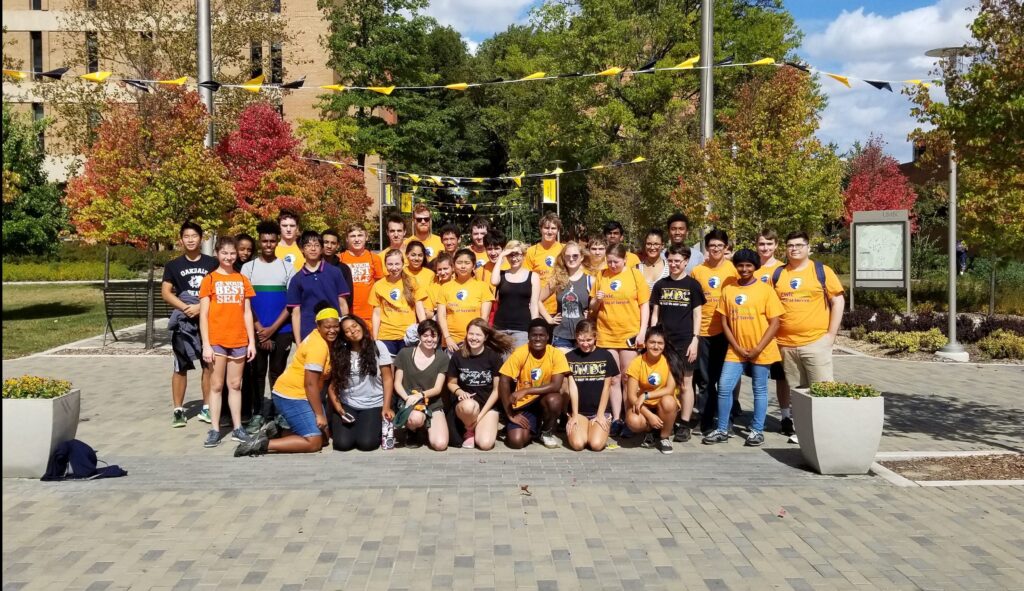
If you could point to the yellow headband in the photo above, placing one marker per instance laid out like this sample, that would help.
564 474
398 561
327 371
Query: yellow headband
326 313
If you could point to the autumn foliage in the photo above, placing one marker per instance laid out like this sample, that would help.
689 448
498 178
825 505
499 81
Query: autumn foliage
876 183
269 175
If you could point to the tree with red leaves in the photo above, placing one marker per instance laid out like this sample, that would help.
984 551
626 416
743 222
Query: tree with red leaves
876 183
269 175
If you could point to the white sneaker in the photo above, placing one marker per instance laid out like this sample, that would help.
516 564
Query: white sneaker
793 438
548 440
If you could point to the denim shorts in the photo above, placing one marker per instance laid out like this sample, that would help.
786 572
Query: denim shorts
560 343
298 413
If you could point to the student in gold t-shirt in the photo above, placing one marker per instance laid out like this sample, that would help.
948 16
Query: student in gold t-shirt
397 302
531 388
462 299
540 258
713 274
750 313
767 244
651 404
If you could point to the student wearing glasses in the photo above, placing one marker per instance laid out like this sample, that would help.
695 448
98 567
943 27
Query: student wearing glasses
517 291
813 300
652 264
421 230
570 284
713 274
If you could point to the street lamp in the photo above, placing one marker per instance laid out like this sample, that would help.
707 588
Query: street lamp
954 350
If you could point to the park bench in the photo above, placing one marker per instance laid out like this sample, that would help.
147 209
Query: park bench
127 299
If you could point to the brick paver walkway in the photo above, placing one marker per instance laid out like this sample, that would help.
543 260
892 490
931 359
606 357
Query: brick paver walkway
720 517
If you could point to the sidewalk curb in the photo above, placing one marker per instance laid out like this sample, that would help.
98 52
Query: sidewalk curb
901 481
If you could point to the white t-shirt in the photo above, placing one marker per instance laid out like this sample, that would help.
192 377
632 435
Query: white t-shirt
366 392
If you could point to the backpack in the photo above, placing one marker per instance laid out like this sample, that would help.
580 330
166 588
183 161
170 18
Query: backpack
819 272
76 460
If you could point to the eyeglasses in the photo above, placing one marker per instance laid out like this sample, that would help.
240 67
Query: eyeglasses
653 245
571 257
716 246
515 255
795 246
422 219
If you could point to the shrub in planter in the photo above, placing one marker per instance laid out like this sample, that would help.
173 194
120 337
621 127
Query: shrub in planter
38 414
839 426
1003 344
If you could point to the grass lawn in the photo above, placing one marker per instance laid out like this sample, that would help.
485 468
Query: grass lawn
40 317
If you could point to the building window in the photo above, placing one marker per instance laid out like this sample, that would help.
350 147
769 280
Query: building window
90 4
35 4
38 114
92 52
276 64
255 59
36 42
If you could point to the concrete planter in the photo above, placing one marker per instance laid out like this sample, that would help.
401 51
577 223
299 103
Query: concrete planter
838 435
33 428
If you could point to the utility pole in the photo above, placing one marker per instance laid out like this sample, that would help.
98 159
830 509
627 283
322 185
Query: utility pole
707 83
205 73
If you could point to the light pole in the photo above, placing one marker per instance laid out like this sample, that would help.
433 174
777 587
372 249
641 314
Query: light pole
954 350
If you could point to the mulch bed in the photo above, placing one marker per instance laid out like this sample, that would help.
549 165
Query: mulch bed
987 467
977 357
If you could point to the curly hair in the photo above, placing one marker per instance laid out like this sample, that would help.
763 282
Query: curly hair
341 357
560 275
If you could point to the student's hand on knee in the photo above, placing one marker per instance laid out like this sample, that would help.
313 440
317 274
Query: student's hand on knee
520 420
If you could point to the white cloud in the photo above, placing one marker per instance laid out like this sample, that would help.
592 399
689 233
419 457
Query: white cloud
867 45
479 18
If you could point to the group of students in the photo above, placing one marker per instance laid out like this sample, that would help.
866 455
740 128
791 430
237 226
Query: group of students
452 343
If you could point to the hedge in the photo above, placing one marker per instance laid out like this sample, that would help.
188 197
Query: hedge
61 271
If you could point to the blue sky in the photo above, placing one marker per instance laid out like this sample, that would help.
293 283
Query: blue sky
867 38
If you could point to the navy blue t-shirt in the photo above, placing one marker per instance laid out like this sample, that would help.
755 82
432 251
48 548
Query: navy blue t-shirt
308 288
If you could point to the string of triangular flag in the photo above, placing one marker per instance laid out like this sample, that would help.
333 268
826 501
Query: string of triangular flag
258 83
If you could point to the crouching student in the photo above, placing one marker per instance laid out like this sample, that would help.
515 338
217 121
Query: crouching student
531 388
362 383
651 405
473 381
296 394
588 388
751 312
419 381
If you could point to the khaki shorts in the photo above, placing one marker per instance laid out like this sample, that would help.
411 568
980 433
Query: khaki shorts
808 364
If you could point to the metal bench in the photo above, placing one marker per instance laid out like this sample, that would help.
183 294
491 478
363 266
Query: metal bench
127 299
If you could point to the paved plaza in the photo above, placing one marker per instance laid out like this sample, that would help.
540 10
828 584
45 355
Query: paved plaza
720 517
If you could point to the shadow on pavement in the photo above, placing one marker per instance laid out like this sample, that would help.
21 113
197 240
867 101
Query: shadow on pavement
945 418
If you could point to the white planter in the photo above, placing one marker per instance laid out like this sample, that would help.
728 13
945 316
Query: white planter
838 435
33 428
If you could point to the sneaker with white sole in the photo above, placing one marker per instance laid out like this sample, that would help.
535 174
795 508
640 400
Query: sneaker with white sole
258 445
715 436
665 445
179 419
204 416
212 438
755 439
254 424
240 435
793 438
548 440
648 441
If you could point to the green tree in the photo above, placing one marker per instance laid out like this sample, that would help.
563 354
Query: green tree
984 118
33 213
779 175
146 173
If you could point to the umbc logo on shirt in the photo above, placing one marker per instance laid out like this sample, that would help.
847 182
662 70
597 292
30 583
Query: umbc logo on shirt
741 299
289 258
430 251
615 285
795 283
461 295
479 263
714 282
549 261
394 294
764 278
654 379
536 373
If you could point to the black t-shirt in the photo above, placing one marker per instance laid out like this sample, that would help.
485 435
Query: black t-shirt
589 371
476 374
186 276
677 298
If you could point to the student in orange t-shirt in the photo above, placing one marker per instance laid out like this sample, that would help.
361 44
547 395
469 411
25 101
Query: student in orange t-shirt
462 299
651 404
540 258
226 326
397 302
618 300
750 313
366 270
767 244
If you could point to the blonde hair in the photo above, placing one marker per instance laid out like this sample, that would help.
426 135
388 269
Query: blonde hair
408 285
560 274
516 245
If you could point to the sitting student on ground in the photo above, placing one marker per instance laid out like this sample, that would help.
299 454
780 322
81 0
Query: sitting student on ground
593 370
651 404
531 388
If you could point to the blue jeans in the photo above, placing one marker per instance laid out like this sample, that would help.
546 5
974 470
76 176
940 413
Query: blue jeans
299 414
732 371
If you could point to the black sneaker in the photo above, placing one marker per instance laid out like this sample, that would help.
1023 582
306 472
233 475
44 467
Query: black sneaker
665 445
715 436
787 426
616 428
269 430
755 439
648 441
683 433
256 446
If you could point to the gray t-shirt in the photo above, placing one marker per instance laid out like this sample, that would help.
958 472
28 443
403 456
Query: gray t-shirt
572 305
368 392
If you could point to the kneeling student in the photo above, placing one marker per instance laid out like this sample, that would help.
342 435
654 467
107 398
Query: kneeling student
593 370
531 388
651 404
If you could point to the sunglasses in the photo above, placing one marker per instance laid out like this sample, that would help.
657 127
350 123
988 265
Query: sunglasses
422 219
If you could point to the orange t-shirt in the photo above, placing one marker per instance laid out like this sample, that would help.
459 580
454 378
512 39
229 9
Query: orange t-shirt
712 280
226 316
531 372
764 272
749 309
395 313
649 376
807 310
541 261
432 244
366 269
481 258
462 302
618 319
